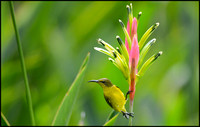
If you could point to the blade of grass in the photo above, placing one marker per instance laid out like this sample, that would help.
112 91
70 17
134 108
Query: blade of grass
112 114
4 121
111 118
28 93
64 111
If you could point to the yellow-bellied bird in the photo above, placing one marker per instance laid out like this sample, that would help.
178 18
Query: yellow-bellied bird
114 96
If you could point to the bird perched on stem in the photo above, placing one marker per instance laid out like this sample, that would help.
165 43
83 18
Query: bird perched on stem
114 96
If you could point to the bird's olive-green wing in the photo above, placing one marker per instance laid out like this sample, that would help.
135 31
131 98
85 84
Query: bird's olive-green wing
120 90
108 101
118 87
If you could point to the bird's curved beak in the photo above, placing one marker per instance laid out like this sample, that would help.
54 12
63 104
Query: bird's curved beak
94 81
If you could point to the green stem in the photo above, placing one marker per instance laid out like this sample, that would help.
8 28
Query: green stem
28 93
131 110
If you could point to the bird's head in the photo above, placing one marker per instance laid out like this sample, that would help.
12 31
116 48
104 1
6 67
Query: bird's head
104 82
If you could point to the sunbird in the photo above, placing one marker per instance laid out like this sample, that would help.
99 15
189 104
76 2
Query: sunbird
114 96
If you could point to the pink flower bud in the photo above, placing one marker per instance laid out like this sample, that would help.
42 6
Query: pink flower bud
134 53
134 28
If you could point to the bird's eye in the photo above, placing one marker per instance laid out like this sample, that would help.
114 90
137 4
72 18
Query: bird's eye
103 81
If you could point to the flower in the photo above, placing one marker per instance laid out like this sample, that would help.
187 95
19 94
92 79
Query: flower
129 56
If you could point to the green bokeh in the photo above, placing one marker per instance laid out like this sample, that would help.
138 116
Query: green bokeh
56 37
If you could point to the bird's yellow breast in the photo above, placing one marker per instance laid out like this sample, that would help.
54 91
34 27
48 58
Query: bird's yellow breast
115 98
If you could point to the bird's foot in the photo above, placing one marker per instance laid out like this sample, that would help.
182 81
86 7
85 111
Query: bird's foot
128 93
127 114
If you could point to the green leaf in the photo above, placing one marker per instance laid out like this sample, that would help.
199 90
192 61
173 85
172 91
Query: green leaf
64 111
146 65
111 118
146 35
4 121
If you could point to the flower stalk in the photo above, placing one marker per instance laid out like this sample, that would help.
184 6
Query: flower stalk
129 56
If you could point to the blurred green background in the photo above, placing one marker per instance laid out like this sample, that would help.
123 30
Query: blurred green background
56 36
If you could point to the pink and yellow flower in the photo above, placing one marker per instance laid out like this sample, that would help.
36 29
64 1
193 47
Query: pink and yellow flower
129 56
